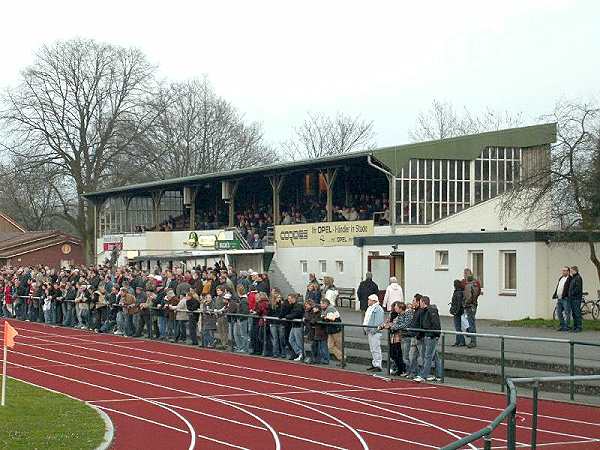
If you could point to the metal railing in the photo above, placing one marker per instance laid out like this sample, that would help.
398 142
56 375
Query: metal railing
442 352
510 413
502 338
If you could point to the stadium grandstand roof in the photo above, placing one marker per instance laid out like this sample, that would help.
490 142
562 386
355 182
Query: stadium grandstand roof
466 147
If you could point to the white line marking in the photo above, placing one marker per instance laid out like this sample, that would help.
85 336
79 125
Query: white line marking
290 375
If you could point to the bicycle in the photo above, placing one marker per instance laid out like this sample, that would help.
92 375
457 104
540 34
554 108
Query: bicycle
590 309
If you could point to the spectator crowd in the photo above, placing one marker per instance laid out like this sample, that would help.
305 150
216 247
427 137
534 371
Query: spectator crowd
216 307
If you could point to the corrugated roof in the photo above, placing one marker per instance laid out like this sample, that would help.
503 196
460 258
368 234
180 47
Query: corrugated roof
394 158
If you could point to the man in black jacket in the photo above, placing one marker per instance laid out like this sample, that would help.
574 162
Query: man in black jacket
430 323
366 288
575 298
561 294
296 338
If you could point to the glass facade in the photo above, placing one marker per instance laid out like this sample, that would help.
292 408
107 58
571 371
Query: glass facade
431 189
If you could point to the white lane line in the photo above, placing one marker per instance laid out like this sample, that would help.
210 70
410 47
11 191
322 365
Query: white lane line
351 429
143 419
190 427
289 375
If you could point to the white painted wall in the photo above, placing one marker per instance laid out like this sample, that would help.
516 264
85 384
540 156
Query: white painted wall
421 276
288 260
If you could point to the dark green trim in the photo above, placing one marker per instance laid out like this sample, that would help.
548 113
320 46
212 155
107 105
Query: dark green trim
482 237
393 158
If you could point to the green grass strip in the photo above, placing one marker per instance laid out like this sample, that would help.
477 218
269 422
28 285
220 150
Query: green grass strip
37 419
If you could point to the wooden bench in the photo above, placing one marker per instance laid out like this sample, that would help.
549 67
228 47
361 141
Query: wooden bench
346 298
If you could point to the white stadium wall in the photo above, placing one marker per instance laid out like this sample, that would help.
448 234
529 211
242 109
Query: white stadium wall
421 276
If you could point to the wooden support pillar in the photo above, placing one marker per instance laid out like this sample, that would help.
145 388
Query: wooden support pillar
194 193
276 184
156 198
232 191
127 201
329 176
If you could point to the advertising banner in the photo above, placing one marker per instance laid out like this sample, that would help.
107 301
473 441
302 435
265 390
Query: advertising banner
323 234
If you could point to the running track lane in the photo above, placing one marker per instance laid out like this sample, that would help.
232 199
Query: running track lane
160 395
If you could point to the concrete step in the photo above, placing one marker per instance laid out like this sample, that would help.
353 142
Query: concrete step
557 364
471 368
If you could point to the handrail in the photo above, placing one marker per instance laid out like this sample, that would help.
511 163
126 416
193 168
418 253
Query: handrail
510 413
487 431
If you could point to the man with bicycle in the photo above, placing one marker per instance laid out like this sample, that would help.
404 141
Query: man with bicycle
563 303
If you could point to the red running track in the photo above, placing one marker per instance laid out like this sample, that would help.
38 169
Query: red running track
165 396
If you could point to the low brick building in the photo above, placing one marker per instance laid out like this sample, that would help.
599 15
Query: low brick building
19 247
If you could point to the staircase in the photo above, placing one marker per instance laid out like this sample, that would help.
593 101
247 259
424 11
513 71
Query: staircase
278 279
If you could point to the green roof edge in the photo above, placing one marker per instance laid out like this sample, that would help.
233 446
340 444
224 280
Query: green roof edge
466 147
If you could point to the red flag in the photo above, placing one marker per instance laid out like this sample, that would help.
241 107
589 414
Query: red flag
9 335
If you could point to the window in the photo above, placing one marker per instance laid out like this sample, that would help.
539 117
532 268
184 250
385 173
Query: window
304 266
339 265
323 266
441 260
509 271
476 265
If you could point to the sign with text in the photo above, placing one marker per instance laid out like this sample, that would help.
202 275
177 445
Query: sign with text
323 234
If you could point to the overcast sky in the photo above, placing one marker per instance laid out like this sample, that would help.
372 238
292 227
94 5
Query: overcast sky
383 60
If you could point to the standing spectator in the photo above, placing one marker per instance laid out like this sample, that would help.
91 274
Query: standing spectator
561 294
312 280
329 313
313 293
296 338
471 291
320 353
330 292
393 294
277 328
241 325
209 322
365 288
193 304
374 318
181 319
575 298
397 327
430 322
457 310
416 351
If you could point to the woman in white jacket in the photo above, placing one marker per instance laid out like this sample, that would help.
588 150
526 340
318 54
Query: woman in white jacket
393 294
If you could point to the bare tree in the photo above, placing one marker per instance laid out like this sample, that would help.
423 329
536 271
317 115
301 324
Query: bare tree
441 121
198 132
321 135
77 109
567 181
29 196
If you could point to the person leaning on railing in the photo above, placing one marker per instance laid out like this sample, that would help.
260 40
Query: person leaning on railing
330 314
296 339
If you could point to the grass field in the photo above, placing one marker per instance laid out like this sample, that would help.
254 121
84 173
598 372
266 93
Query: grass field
37 419
544 323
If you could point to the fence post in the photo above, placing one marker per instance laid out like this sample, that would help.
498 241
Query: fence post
343 362
443 358
502 369
389 353
511 426
150 331
487 442
572 369
231 341
534 416
264 339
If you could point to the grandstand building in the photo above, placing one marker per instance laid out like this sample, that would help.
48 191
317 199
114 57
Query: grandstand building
421 212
